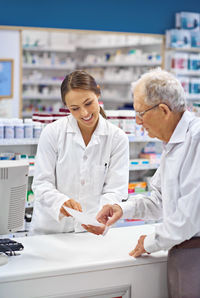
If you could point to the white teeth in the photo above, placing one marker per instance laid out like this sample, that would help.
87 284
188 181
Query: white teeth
88 118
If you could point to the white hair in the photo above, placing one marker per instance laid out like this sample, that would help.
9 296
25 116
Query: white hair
161 86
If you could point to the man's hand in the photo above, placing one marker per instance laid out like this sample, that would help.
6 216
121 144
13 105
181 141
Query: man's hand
109 214
94 229
71 204
139 249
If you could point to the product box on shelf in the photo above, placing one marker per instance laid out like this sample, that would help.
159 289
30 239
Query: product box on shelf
195 85
179 61
196 108
194 62
137 187
188 20
195 39
185 82
178 38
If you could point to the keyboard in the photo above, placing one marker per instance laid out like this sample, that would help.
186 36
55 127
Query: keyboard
9 246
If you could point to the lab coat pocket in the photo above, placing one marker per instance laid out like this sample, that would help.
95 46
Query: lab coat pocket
99 179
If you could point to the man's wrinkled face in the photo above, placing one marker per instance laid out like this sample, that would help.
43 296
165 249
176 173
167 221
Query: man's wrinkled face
150 120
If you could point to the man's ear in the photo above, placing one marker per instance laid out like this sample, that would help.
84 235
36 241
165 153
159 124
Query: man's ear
165 109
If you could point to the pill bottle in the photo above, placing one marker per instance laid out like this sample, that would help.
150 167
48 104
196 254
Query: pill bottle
19 128
9 132
1 129
28 128
37 129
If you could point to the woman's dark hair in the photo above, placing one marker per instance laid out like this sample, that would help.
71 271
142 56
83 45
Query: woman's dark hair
80 79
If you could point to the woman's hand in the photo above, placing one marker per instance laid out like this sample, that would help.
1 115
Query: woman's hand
71 204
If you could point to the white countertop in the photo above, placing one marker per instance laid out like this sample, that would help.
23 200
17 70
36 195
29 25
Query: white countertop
52 255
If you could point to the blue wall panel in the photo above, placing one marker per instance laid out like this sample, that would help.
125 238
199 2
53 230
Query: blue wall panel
143 16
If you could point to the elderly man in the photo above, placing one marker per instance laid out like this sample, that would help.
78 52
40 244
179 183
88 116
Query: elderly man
159 102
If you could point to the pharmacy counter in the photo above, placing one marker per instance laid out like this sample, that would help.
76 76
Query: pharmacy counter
85 265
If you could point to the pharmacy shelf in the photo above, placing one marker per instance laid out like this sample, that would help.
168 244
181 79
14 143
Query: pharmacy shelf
185 72
21 142
143 167
192 97
141 139
48 49
28 114
11 142
115 82
120 46
48 67
122 64
58 83
131 168
116 99
43 82
192 50
41 96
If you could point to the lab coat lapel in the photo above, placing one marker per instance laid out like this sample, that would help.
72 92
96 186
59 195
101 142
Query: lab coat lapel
74 129
101 130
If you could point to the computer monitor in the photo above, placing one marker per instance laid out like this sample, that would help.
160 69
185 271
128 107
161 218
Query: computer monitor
13 190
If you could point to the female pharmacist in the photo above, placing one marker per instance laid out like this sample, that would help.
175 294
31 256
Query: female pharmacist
82 160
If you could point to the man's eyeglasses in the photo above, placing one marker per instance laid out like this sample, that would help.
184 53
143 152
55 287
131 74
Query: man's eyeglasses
141 114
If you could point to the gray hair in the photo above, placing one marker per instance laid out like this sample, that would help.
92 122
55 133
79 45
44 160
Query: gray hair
161 86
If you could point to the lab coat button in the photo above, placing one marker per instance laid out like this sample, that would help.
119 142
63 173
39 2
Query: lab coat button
84 157
82 182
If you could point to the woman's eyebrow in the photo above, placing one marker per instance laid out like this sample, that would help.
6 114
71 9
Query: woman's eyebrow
83 102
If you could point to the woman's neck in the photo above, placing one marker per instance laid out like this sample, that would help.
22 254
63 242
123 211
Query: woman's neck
87 133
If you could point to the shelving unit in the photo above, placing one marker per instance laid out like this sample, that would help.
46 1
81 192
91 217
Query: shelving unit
29 147
125 64
143 139
48 67
143 167
184 74
186 50
116 66
70 49
46 64
40 97
19 142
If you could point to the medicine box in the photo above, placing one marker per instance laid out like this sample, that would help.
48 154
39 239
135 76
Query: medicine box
188 21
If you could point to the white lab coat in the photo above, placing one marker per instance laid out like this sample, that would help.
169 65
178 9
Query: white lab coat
93 175
176 190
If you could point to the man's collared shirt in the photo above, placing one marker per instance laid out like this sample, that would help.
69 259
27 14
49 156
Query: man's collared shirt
175 196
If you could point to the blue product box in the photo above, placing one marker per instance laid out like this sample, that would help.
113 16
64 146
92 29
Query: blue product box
176 38
195 86
188 21
195 39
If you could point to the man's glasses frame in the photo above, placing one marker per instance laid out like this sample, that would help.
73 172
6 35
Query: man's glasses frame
141 114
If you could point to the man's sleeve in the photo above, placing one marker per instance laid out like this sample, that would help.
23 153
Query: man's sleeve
145 207
184 223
